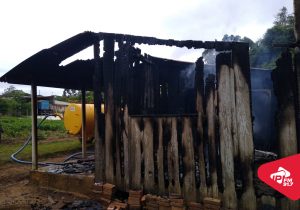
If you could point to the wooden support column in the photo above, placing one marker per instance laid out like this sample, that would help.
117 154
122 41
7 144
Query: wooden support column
99 117
108 72
283 78
226 141
241 66
83 127
148 156
199 86
160 156
34 144
173 159
135 153
189 182
297 93
213 190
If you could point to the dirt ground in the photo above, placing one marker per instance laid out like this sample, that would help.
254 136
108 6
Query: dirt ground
16 192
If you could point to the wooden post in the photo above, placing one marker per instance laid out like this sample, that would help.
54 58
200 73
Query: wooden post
189 182
108 71
199 86
148 156
99 126
287 138
34 144
83 128
297 93
173 159
282 80
226 141
241 68
135 153
211 131
126 145
160 155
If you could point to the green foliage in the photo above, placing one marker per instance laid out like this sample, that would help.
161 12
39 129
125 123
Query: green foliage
263 54
20 128
74 96
14 102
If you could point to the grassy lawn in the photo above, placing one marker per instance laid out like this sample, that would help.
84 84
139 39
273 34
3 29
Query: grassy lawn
45 150
53 138
19 128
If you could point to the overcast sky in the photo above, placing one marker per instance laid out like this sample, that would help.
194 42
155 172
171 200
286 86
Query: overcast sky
32 25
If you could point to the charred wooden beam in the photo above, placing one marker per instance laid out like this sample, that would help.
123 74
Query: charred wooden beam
148 145
136 134
160 159
211 131
297 94
108 72
241 67
225 128
283 86
189 182
173 159
219 46
199 87
99 118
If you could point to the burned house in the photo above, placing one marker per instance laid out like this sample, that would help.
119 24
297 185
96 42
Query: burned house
162 132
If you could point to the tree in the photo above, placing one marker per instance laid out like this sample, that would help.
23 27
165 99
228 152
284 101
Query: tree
209 55
14 102
262 53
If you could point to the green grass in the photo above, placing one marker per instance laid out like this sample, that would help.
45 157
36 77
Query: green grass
45 150
19 128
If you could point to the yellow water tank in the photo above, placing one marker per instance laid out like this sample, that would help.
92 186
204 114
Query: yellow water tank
73 119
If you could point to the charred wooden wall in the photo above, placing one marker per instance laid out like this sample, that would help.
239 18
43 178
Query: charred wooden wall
204 150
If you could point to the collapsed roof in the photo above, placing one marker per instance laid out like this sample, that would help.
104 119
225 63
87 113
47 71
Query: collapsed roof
43 68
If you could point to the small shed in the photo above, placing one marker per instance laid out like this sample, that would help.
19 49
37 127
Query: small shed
159 133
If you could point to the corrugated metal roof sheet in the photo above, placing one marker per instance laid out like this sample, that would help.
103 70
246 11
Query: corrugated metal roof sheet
43 67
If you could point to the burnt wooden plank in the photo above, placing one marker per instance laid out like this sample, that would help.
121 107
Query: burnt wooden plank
241 68
173 159
282 80
286 116
108 71
149 184
135 153
297 94
211 131
199 86
225 126
233 115
99 118
160 154
189 182
125 136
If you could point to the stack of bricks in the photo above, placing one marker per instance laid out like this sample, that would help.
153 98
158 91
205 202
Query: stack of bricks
97 191
212 203
115 205
151 202
134 199
195 206
177 203
107 193
164 204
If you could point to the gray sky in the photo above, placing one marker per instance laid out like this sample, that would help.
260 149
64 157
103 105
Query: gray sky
32 25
